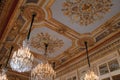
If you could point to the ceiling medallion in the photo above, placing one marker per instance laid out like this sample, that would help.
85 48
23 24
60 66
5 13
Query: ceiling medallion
28 10
41 39
91 41
86 12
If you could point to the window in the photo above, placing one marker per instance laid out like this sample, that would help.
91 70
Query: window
110 70
113 65
103 69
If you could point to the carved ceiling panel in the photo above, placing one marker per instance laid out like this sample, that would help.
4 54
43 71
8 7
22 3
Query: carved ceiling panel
51 22
65 10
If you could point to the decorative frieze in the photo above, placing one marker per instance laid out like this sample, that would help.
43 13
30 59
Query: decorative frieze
110 29
103 51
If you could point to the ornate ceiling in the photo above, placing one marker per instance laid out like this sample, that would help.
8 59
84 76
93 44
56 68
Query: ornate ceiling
66 37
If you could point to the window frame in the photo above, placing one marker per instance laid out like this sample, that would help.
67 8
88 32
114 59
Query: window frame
112 56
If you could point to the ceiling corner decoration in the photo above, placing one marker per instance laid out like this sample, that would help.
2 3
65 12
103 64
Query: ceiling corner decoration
85 12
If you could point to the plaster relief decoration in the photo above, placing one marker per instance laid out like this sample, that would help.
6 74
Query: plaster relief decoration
85 12
44 38
28 10
57 43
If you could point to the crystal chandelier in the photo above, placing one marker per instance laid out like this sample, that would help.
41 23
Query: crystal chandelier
90 75
43 71
3 75
22 59
86 12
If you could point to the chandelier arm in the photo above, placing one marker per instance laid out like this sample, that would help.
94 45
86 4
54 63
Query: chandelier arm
33 16
9 57
86 46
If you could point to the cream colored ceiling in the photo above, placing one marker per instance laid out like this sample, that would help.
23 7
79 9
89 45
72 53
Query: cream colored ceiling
51 20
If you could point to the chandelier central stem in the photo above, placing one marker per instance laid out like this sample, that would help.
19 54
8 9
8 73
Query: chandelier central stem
87 53
33 16
90 75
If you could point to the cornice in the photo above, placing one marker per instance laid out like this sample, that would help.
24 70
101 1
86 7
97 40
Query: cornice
6 13
101 52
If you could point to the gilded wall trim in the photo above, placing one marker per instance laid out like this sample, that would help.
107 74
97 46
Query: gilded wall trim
103 51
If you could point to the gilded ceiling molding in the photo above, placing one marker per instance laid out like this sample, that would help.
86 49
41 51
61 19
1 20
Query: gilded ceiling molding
22 36
112 28
110 32
51 26
65 30
81 50
5 15
47 8
114 45
42 2
68 32
32 1
11 22
56 28
91 50
107 24
18 25
15 29
53 21
28 10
